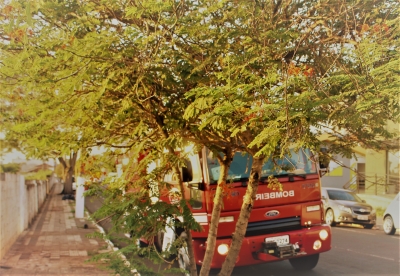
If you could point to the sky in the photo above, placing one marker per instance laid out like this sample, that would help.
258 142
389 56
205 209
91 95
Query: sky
9 157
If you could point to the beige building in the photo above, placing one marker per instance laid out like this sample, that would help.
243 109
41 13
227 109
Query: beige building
370 172
383 167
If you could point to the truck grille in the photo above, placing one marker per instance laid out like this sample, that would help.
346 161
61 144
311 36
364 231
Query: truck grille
273 226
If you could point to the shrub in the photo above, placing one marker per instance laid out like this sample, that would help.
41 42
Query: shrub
10 168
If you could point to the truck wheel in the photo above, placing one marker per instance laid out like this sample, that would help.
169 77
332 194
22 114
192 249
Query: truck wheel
304 263
388 225
330 217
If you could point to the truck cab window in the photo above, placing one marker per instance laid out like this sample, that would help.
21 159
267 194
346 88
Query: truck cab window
298 161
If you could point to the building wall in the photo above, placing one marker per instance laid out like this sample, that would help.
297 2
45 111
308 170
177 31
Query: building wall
393 162
338 175
375 171
20 202
377 168
10 193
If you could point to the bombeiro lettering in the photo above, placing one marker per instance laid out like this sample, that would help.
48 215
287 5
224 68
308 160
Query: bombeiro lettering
273 195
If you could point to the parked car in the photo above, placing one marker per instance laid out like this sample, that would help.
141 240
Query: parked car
391 216
344 206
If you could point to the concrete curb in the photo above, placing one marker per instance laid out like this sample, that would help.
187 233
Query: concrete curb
112 247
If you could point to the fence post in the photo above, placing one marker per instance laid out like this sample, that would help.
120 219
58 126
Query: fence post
79 198
22 203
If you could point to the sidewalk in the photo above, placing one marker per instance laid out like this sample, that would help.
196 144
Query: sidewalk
56 243
378 202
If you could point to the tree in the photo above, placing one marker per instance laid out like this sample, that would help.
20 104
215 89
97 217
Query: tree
298 69
248 75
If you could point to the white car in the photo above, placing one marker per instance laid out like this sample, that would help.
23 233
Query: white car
391 217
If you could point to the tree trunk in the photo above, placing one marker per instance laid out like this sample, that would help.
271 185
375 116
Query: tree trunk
216 212
69 173
189 241
68 182
241 224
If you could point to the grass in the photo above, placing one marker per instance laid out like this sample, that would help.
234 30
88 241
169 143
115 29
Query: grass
379 211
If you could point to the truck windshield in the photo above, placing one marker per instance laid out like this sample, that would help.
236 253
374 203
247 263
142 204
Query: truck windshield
294 163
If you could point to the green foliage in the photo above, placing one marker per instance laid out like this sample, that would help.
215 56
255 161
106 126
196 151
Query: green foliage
380 211
10 168
39 175
96 167
59 171
134 213
139 77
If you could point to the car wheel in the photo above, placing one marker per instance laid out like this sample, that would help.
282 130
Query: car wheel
305 263
369 226
388 225
330 217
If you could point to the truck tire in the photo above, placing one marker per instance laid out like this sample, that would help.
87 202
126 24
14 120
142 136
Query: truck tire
307 262
388 225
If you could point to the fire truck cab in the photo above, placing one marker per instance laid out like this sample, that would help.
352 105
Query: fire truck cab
286 222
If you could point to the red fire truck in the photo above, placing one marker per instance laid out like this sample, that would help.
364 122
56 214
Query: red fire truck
285 224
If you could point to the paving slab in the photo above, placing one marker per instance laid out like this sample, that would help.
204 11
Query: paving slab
55 244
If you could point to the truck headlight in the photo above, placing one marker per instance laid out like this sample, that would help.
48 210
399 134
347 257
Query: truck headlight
323 234
317 245
223 249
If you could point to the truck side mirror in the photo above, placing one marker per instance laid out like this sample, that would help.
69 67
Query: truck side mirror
196 186
186 175
324 160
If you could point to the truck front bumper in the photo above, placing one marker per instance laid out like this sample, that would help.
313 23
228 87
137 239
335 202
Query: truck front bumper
272 247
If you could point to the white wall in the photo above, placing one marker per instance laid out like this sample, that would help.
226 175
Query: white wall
338 175
20 201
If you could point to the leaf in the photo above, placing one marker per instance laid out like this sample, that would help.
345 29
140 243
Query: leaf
28 14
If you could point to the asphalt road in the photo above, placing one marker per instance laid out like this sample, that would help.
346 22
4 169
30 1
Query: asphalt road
355 251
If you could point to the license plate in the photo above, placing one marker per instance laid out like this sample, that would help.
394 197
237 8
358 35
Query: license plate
280 240
361 217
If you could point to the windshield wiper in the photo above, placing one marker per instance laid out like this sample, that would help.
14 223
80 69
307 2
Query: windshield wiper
292 175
